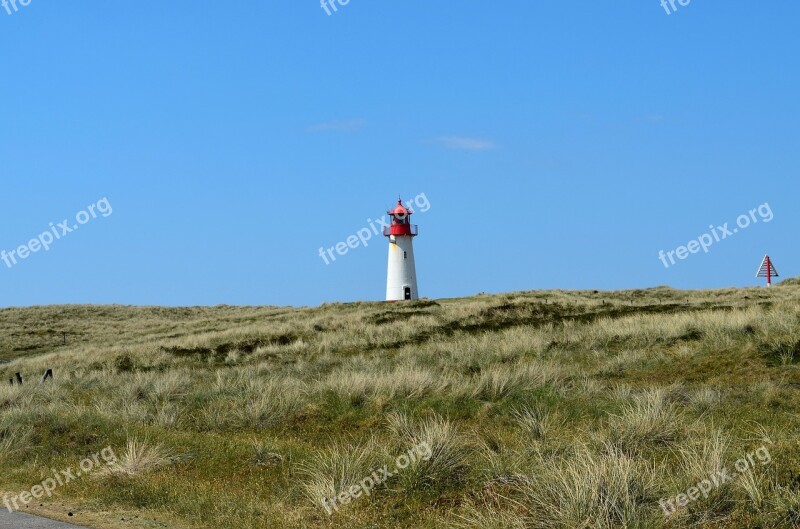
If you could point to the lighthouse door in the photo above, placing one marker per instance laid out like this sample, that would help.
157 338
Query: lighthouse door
407 293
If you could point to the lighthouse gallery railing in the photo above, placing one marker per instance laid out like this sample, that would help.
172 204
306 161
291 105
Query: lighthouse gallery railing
414 229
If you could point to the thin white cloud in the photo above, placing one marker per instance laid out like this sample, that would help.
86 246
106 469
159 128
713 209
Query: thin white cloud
347 125
465 144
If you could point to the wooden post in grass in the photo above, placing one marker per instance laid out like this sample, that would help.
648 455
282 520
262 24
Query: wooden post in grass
47 374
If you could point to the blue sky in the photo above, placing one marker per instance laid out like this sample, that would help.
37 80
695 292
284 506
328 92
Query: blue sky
559 144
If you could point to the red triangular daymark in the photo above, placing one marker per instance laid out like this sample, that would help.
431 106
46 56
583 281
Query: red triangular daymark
767 269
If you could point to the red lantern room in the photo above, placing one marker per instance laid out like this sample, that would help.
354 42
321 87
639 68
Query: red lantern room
401 222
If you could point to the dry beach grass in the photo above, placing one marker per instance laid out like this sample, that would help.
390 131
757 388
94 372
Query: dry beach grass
542 409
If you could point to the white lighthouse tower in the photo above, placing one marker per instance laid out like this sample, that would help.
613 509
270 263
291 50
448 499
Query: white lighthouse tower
401 279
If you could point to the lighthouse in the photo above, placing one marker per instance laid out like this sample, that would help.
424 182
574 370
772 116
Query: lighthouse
401 278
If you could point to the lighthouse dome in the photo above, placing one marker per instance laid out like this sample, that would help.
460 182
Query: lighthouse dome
400 210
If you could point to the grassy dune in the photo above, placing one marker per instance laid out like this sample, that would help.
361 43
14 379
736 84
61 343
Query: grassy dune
555 409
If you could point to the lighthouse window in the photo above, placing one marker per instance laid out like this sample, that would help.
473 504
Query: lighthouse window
405 255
